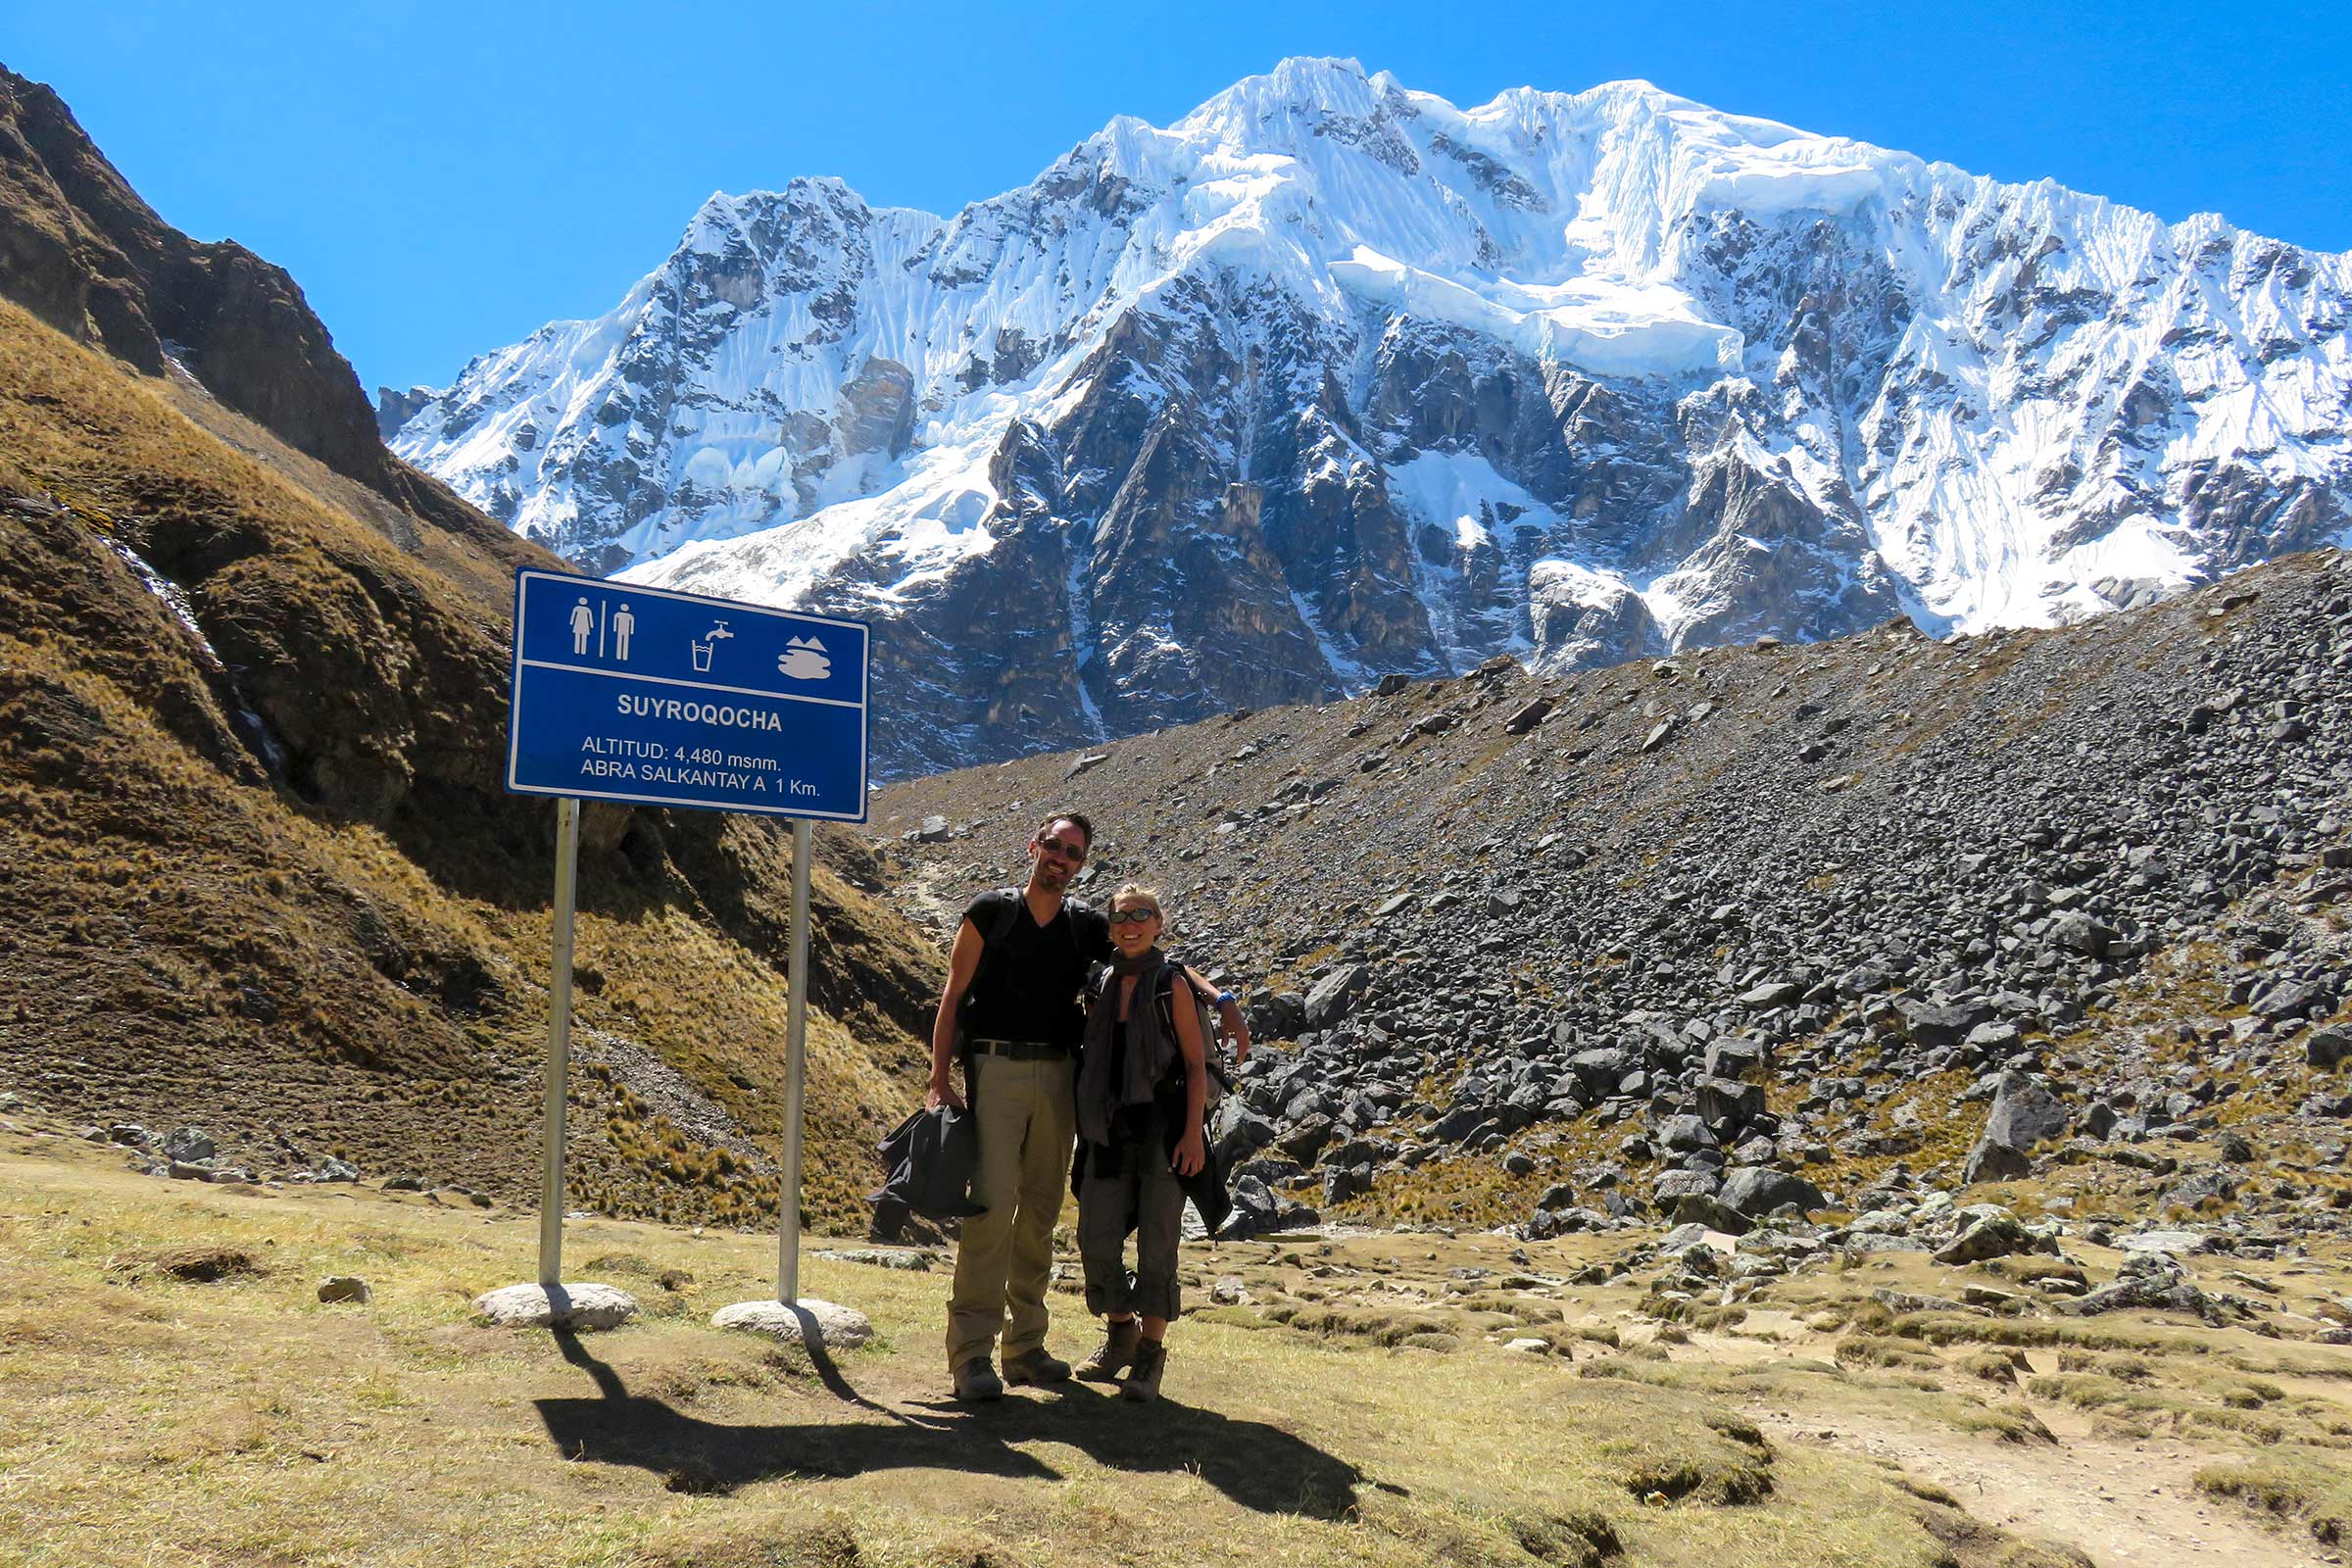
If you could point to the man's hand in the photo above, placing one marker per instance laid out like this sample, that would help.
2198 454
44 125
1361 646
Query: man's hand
942 1092
1191 1153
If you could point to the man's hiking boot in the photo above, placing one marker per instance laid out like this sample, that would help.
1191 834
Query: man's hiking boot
976 1380
1035 1366
1143 1380
1115 1355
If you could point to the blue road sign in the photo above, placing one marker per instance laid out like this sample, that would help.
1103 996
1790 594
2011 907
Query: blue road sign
623 693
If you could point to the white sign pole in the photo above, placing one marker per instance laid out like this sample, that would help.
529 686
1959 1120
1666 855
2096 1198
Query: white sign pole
795 1068
559 1044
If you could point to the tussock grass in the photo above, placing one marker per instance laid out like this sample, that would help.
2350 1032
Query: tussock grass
244 1421
2294 1482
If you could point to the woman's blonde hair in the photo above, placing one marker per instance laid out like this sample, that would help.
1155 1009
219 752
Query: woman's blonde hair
1150 896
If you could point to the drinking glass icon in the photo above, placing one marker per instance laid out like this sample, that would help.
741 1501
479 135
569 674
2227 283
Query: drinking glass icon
704 644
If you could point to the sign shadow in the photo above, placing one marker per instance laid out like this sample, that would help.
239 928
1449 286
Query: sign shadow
1256 1465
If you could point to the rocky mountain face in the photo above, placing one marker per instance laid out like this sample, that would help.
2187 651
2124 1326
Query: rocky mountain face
1839 925
1332 379
258 874
85 254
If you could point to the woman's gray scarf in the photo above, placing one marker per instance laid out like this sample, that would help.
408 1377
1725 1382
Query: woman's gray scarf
1150 1048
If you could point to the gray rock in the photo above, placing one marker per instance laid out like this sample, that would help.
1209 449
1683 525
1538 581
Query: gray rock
1679 1184
581 1306
2288 998
806 1321
1993 1235
1681 1239
1728 1102
2078 932
189 1144
1698 1208
1771 993
345 1288
2025 1115
905 1259
1758 1190
2170 1244
1332 997
1933 1024
1990 1162
2328 1047
1684 1133
1528 717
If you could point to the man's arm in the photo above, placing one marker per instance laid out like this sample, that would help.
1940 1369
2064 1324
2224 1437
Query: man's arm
963 961
1229 1014
1192 1150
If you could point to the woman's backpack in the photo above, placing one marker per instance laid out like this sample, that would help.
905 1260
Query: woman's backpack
1172 981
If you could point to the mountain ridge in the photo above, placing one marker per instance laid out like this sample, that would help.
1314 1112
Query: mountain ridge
1330 379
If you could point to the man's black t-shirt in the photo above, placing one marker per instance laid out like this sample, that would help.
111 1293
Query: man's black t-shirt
1030 990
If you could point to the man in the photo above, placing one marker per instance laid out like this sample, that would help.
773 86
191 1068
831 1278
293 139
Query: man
1023 1019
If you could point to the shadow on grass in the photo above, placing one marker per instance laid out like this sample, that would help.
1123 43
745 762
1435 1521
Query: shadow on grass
1257 1466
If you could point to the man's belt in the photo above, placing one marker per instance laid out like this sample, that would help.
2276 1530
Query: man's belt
1020 1049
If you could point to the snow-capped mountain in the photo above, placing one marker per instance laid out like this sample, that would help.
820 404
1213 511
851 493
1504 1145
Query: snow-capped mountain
1332 379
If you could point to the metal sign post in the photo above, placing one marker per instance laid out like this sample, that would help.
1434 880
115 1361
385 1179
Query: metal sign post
652 698
796 1067
558 1044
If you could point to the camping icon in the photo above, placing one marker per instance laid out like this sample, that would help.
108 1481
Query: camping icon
803 659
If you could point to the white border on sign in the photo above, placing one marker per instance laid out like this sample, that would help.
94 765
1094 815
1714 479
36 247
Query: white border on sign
865 646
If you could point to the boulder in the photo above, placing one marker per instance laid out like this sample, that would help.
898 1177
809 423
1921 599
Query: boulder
1728 1101
1684 1133
1699 1208
1758 1190
807 1321
1935 1025
192 1144
2025 1115
1994 1233
345 1288
584 1308
1990 1162
1679 1184
1328 1003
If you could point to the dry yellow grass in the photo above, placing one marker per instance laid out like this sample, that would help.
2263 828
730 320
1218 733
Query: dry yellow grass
145 1418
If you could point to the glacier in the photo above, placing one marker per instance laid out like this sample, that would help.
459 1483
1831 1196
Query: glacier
1331 378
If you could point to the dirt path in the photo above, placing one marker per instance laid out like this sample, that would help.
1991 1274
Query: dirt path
2122 1503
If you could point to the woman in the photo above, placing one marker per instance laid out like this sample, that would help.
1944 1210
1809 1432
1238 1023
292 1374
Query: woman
1143 1081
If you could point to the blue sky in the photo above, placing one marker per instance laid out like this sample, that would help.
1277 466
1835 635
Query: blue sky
443 179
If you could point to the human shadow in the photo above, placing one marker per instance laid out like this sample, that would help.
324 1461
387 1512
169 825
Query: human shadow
1258 1466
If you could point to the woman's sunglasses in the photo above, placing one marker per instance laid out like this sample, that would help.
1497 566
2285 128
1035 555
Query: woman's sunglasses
1133 916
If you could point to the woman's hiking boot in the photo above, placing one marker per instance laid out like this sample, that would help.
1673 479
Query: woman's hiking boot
1114 1355
977 1380
1143 1379
1035 1366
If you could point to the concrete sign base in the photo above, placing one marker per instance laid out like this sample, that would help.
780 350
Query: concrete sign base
582 1307
807 1321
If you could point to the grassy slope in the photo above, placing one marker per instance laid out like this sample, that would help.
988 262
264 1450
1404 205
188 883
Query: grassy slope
240 1421
353 959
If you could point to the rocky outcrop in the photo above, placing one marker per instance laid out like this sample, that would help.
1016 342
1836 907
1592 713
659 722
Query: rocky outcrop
84 254
1712 926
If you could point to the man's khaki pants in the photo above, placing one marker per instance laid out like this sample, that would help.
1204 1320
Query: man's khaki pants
1028 1115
